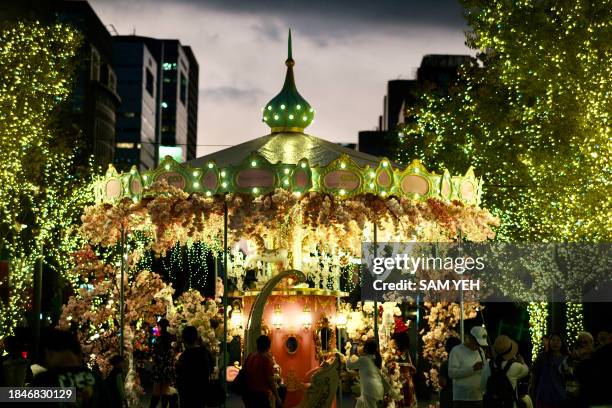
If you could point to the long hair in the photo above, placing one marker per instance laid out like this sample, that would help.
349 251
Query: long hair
564 351
371 348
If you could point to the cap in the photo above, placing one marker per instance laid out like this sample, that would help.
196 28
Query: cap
480 334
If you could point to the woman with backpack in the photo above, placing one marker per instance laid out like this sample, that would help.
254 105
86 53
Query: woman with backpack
501 374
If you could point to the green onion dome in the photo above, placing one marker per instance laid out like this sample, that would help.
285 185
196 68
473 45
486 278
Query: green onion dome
288 111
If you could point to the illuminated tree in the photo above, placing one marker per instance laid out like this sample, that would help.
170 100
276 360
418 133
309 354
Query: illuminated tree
39 195
533 116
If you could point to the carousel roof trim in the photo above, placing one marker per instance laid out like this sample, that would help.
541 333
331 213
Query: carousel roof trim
342 178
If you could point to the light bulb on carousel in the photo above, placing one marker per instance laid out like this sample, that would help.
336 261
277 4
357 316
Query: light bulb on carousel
277 318
306 318
341 320
237 317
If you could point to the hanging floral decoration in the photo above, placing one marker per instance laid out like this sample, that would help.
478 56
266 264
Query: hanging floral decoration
170 216
165 214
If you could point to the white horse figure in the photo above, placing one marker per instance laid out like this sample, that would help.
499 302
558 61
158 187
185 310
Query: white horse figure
277 256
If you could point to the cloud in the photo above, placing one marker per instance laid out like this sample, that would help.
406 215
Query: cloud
345 54
231 93
268 30
439 12
317 18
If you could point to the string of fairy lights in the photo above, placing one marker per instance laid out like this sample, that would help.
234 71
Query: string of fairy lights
39 200
191 262
534 119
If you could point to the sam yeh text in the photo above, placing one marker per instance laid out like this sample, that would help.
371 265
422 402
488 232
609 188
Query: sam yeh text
424 284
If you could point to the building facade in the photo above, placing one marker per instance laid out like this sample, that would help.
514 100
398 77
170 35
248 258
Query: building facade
94 100
193 92
174 76
436 73
135 137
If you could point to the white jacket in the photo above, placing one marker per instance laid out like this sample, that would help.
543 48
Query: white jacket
466 381
369 376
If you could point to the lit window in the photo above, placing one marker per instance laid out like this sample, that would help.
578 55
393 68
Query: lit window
124 145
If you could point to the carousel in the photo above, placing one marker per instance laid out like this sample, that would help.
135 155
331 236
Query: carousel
286 214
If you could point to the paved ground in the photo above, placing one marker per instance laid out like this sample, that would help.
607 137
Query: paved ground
234 401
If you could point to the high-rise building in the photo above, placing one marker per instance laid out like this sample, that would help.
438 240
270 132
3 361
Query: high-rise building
439 72
398 91
94 100
436 72
175 81
135 138
193 92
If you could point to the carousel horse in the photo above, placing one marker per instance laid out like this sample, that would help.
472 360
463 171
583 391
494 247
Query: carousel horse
324 384
279 255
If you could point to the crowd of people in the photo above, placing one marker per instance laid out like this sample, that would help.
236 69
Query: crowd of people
185 381
480 375
177 382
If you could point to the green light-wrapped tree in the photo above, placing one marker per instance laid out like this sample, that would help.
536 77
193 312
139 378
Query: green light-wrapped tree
39 195
533 116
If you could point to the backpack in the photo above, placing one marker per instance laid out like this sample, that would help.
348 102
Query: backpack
499 392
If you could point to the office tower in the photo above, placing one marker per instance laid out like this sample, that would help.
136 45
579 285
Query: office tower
176 86
193 92
136 119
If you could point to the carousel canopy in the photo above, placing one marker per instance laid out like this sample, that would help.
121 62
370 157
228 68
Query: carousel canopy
289 159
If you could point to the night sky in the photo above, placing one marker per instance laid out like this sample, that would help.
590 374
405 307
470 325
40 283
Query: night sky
345 52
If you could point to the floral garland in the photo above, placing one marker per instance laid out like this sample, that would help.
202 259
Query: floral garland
170 215
165 213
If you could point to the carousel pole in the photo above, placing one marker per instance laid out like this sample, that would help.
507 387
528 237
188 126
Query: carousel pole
375 302
122 293
462 306
225 301
339 345
462 303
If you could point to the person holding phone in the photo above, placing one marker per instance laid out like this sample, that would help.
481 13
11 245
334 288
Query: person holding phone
465 363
